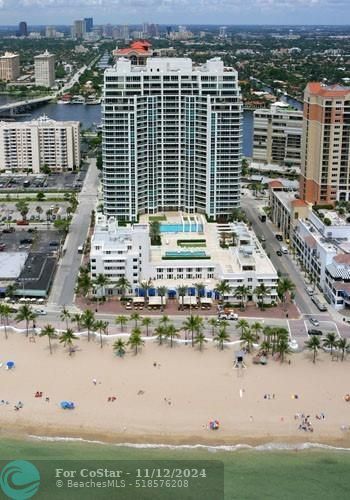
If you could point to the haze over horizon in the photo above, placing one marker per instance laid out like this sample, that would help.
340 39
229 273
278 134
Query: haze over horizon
227 12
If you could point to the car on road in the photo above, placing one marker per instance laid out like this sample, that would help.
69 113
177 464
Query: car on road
314 321
279 237
279 253
40 312
313 331
26 241
262 238
309 290
230 316
9 230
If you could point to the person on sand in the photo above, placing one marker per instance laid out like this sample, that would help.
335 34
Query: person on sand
94 381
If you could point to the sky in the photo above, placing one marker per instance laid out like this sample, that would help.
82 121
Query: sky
223 12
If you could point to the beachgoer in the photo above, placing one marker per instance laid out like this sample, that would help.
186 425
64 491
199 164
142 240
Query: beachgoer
94 381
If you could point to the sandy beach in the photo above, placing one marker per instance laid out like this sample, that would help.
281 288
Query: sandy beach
169 395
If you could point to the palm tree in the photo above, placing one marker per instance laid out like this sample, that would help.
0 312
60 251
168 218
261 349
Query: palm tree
248 338
241 293
223 289
313 344
50 332
265 346
22 207
162 291
119 347
101 326
285 286
200 340
123 284
135 340
154 232
221 337
65 315
213 322
164 320
136 318
146 322
25 313
88 321
181 291
76 318
160 332
330 341
283 348
243 325
11 291
261 292
344 346
122 321
5 314
101 282
67 338
256 327
193 324
200 288
39 210
146 285
84 284
171 333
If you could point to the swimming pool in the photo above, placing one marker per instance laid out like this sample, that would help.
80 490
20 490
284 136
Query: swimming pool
181 228
185 254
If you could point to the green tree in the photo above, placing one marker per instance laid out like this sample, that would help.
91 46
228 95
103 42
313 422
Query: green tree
25 313
262 291
330 341
65 316
76 318
257 328
147 323
247 339
283 348
66 338
285 286
121 321
200 288
5 314
200 340
223 289
101 326
40 196
154 227
243 325
119 347
241 293
221 337
160 332
88 321
22 207
101 282
146 285
313 344
162 291
344 346
49 332
84 284
123 285
39 210
135 340
11 291
181 291
214 323
136 318
171 333
193 324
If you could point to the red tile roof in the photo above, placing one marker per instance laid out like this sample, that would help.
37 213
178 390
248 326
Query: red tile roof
342 258
318 88
274 184
299 203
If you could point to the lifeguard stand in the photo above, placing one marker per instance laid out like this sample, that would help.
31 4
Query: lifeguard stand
239 360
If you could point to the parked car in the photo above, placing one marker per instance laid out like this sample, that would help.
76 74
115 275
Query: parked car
279 237
22 222
309 290
314 332
230 316
9 230
279 253
26 241
54 244
40 312
314 321
2 247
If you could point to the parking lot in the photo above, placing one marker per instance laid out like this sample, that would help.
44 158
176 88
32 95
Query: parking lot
38 182
38 241
38 211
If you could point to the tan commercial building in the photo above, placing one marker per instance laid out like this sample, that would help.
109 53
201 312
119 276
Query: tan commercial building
31 145
44 70
325 166
9 67
277 135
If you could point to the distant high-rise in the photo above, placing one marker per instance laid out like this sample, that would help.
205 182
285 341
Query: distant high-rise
171 138
89 24
44 70
78 28
325 165
9 67
22 29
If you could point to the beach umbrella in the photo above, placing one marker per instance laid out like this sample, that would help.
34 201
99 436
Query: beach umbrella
10 364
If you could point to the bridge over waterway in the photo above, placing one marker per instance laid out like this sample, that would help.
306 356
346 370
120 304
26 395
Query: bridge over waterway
11 108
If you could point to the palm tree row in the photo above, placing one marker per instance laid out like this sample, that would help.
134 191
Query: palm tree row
330 342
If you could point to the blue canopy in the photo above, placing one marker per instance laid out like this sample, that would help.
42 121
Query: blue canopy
171 294
10 364
152 292
191 291
67 405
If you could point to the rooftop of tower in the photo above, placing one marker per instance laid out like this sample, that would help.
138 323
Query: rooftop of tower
324 90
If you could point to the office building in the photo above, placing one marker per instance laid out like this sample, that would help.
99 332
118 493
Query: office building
22 29
78 29
31 145
277 135
9 67
44 70
119 252
325 167
172 134
89 24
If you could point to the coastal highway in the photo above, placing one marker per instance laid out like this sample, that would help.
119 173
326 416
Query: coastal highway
284 264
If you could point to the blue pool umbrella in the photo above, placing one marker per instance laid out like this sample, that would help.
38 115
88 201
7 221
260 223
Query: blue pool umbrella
10 364
67 405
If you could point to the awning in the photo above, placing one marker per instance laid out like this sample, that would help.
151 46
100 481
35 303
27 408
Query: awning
206 301
138 300
156 301
188 300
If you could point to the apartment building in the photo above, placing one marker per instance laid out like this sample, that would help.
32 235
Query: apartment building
277 135
171 139
126 252
31 145
44 70
9 67
325 167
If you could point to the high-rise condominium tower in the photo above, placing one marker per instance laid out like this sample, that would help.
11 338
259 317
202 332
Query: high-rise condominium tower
22 29
171 138
325 169
44 69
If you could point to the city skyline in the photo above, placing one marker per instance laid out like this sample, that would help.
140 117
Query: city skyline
231 12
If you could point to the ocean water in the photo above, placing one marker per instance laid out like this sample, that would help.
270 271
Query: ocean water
308 472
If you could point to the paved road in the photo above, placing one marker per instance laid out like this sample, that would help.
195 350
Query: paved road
284 264
63 287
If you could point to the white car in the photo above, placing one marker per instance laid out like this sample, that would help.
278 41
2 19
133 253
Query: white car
230 316
40 312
